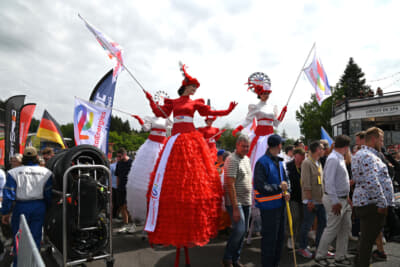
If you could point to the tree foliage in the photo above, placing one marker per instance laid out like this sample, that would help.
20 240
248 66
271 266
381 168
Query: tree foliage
67 131
34 125
311 117
352 83
227 140
118 125
131 141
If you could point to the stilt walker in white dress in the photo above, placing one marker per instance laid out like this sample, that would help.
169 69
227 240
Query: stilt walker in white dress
267 118
143 165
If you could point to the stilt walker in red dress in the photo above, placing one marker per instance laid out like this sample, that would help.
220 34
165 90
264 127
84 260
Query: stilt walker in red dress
211 134
185 192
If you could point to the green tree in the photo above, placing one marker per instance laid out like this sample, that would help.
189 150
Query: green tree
67 130
227 140
311 117
118 125
131 141
352 83
34 125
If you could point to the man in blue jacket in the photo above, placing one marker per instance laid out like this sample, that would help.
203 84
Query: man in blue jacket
270 186
29 187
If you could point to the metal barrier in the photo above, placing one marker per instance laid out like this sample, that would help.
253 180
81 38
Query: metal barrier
28 254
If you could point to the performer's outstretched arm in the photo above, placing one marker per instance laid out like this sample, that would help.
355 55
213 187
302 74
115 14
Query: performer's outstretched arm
248 120
160 111
205 110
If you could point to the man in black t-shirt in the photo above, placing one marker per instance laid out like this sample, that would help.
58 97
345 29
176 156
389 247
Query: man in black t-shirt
293 169
121 172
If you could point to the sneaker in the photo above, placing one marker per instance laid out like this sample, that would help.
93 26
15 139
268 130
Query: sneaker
379 256
324 262
131 229
330 254
123 229
305 253
343 262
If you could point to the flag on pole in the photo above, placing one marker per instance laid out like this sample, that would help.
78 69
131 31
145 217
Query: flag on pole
50 130
25 119
2 152
91 123
103 95
318 79
11 128
113 48
326 136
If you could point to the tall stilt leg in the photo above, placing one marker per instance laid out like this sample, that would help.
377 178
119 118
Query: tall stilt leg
187 259
178 250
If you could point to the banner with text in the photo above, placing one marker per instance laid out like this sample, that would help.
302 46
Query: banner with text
91 124
11 127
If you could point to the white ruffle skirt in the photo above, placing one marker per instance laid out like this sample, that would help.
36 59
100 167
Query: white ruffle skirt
138 179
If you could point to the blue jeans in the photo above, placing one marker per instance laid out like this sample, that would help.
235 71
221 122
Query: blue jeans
239 230
273 234
308 221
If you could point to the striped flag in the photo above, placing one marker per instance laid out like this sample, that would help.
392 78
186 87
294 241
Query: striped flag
50 130
318 79
113 48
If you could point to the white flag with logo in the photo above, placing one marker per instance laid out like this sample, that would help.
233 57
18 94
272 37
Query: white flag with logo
91 124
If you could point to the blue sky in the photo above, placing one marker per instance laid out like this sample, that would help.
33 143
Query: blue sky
49 55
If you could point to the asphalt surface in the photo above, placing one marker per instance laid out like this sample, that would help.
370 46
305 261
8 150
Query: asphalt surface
131 250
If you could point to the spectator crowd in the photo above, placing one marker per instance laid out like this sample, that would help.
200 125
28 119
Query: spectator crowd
335 193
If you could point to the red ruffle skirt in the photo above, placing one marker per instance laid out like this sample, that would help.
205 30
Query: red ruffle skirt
190 200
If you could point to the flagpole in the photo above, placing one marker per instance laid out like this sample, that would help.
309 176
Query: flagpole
112 108
220 132
298 77
129 72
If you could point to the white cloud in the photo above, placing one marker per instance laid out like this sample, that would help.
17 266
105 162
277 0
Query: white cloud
49 55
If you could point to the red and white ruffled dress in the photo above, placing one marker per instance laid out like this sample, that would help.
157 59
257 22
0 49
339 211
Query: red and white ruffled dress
143 165
185 191
267 119
211 135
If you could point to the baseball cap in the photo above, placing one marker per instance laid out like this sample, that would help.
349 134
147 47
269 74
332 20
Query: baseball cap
220 152
30 151
274 140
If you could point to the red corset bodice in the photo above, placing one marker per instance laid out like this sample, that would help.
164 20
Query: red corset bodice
183 109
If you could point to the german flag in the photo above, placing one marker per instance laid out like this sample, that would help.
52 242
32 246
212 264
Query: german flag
50 130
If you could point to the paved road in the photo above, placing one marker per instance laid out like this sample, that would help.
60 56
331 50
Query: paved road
132 251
